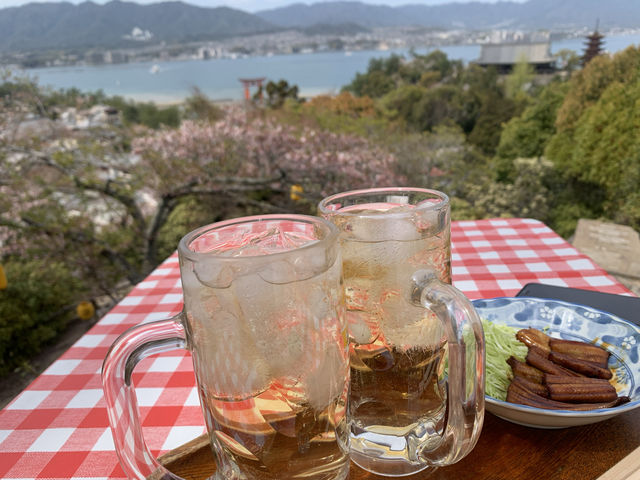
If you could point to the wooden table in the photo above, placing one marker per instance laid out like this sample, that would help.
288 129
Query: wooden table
504 451
58 429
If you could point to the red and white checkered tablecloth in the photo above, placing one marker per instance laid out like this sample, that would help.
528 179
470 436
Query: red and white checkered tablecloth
58 429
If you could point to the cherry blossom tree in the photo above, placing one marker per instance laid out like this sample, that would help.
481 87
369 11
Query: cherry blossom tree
88 198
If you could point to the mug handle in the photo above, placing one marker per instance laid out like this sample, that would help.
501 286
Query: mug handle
466 375
135 344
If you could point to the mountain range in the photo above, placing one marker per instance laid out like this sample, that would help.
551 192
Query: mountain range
37 26
52 26
533 14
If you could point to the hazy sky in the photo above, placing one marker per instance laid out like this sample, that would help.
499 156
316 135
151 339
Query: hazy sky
254 5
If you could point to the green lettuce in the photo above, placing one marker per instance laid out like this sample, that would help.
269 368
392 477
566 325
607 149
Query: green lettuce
500 344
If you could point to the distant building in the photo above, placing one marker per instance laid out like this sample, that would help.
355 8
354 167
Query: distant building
114 56
139 35
593 47
503 56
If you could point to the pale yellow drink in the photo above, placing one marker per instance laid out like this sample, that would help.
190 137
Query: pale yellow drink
271 363
264 319
396 251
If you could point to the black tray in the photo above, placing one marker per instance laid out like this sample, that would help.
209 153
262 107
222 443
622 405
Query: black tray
627 308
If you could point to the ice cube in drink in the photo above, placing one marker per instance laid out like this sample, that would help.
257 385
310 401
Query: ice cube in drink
271 350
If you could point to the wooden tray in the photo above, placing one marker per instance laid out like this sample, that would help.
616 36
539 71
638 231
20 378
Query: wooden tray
504 451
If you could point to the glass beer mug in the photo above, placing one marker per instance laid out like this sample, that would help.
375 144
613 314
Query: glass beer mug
416 343
264 320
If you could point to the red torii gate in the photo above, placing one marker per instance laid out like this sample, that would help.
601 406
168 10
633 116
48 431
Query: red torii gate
247 83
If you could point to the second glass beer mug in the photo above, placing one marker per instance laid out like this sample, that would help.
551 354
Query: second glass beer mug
264 320
416 343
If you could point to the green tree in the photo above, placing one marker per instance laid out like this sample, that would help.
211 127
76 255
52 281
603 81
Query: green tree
278 93
458 164
527 135
381 77
596 142
443 105
342 113
477 87
607 150
568 60
494 112
400 105
520 80
430 90
373 84
37 305
528 196
385 74
150 115
423 109
587 85
572 199
426 68
389 65
441 159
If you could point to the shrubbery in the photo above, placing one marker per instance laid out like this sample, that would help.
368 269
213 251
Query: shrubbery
555 152
37 305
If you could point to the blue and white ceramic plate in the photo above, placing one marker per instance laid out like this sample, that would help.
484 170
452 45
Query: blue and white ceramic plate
570 322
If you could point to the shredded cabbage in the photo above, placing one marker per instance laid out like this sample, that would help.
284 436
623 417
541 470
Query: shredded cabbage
500 343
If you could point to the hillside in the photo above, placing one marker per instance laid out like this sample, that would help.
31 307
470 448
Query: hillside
38 26
534 14
117 24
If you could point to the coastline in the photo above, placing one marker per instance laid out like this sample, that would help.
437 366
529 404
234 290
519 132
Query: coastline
167 100
170 82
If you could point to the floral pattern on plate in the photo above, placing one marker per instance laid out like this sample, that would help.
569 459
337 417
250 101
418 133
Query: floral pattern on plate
571 322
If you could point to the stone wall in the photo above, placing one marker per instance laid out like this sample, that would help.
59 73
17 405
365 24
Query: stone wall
616 248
